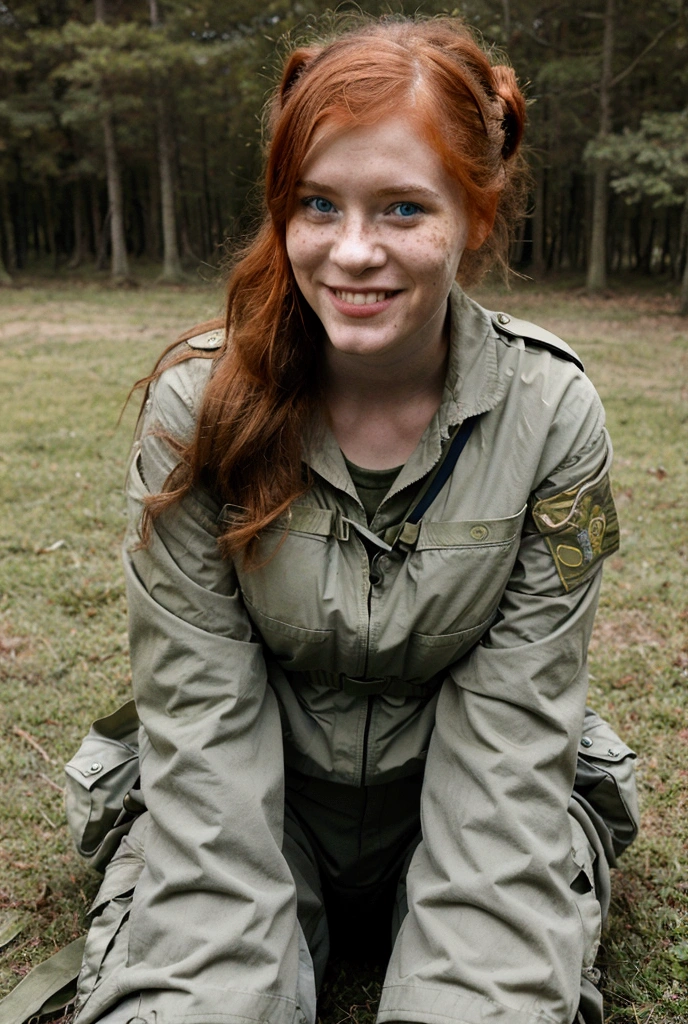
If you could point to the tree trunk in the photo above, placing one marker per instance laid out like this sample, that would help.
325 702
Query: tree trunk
119 267
648 243
4 273
79 249
171 266
101 255
187 247
597 264
38 250
539 225
9 261
153 239
50 239
683 304
666 246
96 218
209 241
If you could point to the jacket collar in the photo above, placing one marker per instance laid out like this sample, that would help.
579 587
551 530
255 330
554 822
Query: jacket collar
472 386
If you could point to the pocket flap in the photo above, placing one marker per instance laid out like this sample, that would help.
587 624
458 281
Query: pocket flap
96 757
601 750
599 742
470 533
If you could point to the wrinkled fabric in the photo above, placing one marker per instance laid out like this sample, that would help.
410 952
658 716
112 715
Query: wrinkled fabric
482 653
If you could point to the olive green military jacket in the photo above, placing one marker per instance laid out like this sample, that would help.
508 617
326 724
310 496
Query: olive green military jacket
461 652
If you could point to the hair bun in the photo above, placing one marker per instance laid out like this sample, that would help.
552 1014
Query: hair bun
294 67
513 106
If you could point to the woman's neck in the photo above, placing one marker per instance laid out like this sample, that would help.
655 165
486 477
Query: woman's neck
379 408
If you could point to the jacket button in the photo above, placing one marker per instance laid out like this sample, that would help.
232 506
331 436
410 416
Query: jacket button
479 532
503 318
586 742
95 767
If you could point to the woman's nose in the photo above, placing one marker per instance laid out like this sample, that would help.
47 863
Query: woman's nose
357 247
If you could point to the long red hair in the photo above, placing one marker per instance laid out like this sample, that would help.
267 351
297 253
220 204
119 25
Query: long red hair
263 397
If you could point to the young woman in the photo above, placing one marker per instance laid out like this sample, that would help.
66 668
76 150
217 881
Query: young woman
368 520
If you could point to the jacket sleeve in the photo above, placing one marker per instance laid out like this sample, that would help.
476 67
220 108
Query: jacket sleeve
501 921
212 931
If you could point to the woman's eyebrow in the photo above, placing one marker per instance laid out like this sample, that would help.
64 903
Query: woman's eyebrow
403 190
314 186
382 193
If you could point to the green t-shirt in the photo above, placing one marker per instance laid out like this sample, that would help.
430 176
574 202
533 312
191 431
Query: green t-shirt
372 485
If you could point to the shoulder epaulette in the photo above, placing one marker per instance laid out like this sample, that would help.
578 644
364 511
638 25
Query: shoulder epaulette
506 324
208 341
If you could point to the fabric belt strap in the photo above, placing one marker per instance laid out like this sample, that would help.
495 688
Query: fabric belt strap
391 686
47 988
443 472
407 531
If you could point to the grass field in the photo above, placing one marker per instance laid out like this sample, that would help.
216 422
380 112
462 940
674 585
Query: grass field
68 355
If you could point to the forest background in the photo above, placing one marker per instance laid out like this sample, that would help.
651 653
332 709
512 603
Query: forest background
130 130
130 146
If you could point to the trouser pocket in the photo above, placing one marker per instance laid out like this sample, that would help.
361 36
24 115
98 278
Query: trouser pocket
605 781
107 943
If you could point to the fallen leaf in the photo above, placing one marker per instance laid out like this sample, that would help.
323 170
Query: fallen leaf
52 547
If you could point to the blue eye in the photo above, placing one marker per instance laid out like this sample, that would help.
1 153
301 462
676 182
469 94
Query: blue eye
319 204
408 209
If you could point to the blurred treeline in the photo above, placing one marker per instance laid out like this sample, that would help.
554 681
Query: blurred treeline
131 128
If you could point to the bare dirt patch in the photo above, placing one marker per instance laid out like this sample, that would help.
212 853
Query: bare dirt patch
621 629
12 646
51 329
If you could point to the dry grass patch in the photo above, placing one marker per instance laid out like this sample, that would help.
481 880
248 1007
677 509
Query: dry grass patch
68 356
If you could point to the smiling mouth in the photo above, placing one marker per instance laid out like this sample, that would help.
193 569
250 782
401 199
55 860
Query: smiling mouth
362 298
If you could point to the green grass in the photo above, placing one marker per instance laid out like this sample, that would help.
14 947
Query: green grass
68 355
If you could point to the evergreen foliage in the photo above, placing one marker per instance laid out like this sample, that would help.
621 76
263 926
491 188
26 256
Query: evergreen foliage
162 101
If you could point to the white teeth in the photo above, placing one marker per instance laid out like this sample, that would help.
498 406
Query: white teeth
361 298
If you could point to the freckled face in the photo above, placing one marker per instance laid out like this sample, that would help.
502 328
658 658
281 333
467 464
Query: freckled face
375 239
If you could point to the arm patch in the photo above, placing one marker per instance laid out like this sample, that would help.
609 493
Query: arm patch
580 527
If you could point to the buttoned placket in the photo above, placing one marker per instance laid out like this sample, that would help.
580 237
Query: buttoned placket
472 386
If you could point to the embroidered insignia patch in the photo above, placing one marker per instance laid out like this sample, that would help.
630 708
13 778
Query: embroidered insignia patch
580 527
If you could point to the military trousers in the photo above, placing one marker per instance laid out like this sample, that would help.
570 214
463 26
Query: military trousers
348 849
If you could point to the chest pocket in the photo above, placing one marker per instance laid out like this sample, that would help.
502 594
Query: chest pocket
459 571
429 604
300 599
